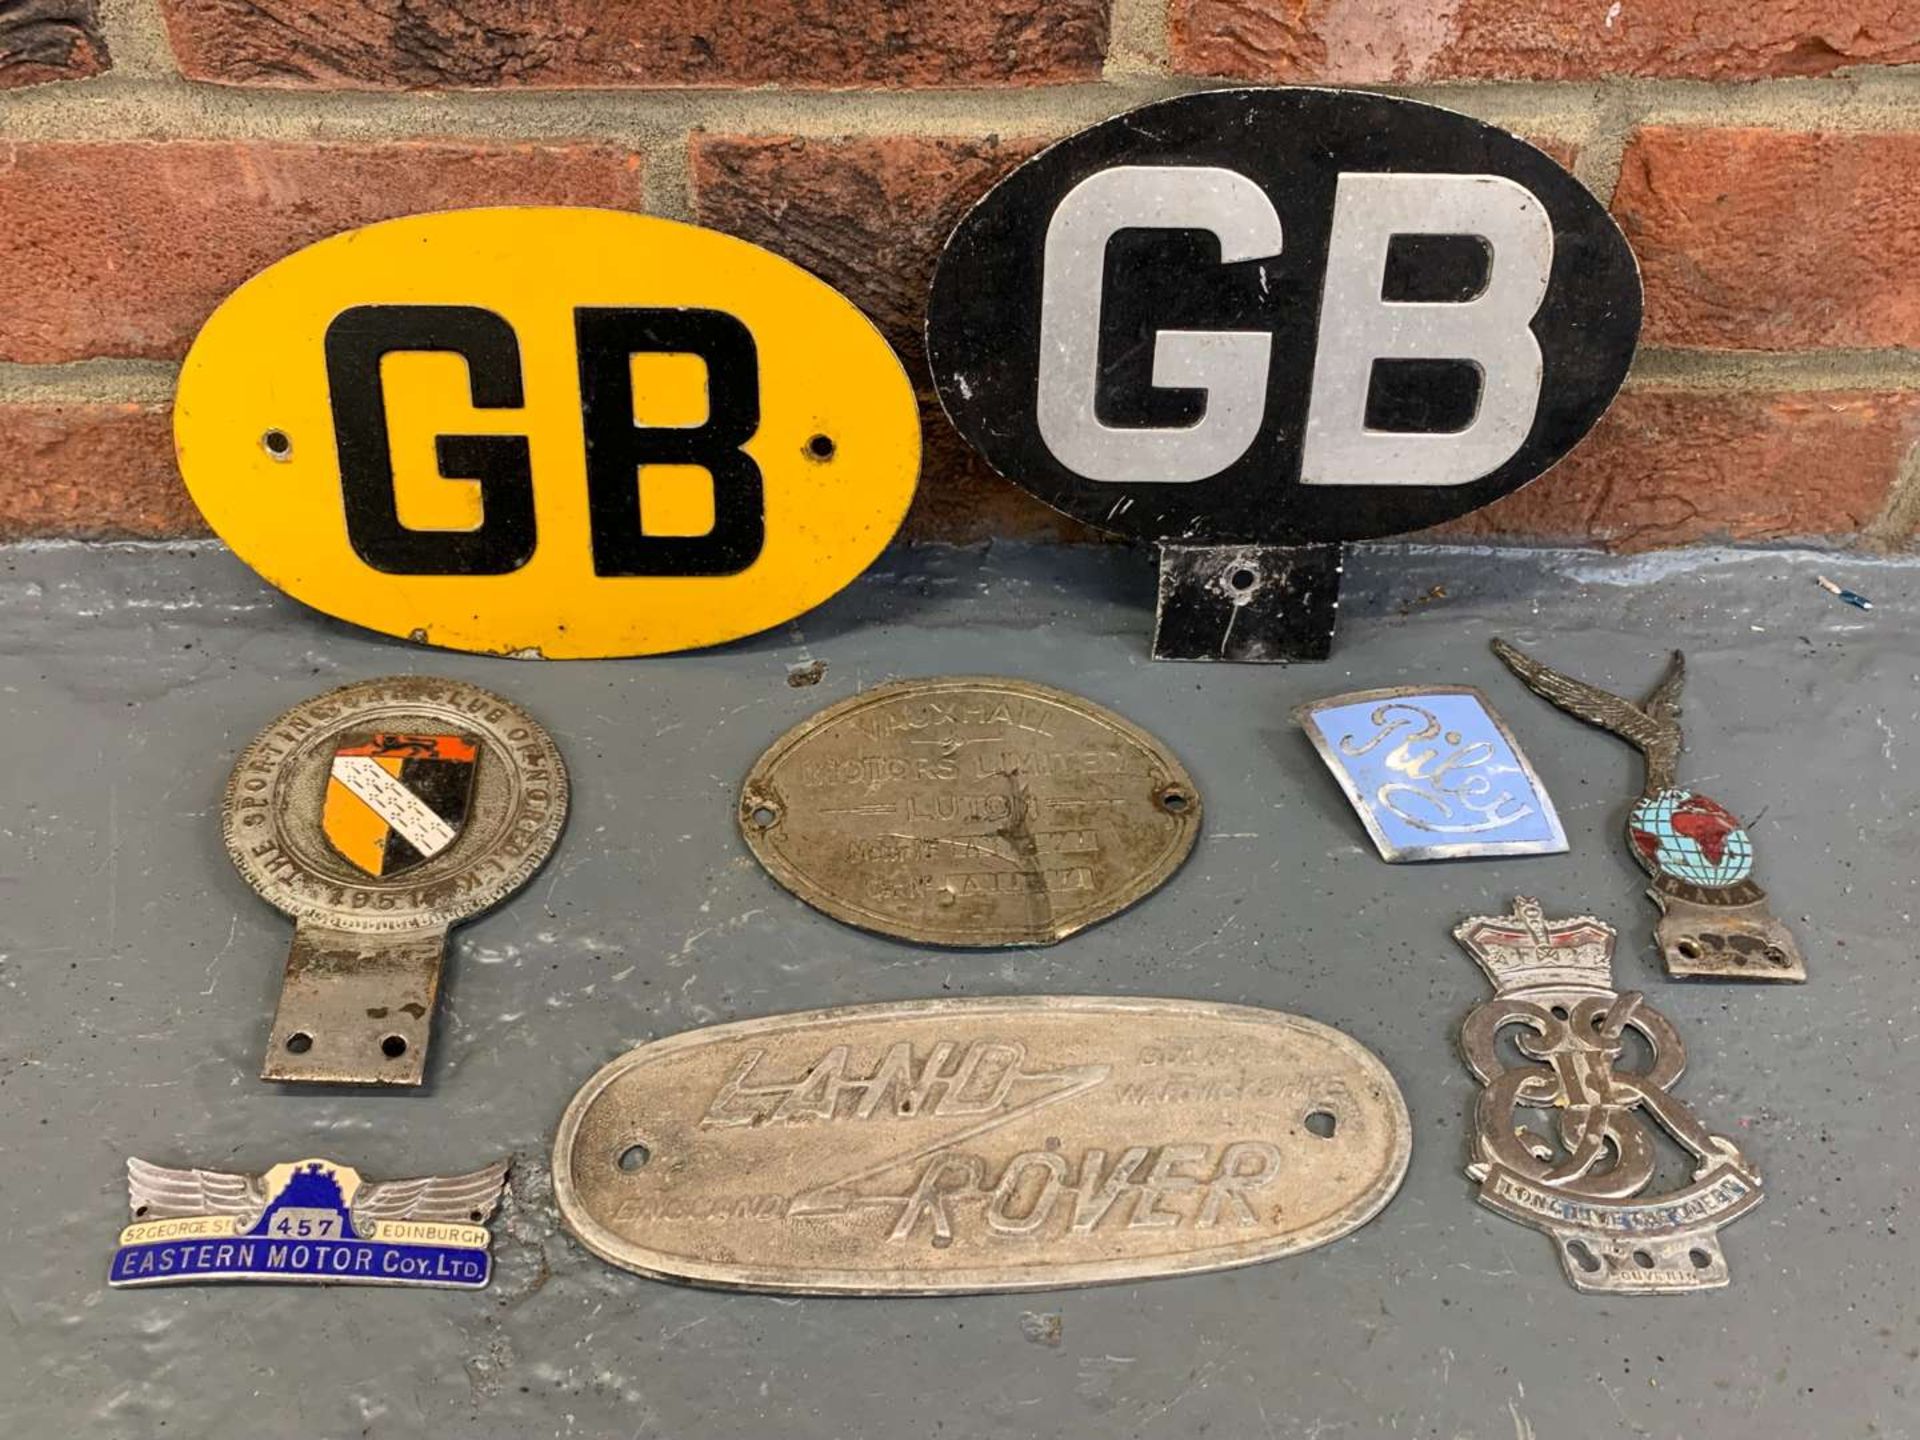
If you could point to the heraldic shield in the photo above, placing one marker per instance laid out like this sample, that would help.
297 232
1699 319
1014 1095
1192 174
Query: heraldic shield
396 801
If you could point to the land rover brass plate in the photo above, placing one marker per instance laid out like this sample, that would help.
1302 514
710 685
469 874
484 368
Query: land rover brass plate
379 815
943 1146
969 811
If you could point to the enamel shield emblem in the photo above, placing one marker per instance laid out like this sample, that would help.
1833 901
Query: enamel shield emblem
396 801
1434 773
312 1222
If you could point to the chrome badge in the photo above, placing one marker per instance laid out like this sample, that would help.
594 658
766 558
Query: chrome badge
1561 1139
378 816
1715 922
307 1222
1000 1143
1434 773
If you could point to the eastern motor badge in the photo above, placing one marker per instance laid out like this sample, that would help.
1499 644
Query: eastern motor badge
378 816
312 1221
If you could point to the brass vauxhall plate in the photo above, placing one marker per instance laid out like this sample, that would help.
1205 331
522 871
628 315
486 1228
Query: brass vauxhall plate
969 811
949 1146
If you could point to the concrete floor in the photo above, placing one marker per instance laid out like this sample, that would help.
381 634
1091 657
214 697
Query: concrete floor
139 973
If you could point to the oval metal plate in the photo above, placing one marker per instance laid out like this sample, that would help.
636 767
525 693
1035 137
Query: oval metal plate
1116 291
432 427
945 1146
969 811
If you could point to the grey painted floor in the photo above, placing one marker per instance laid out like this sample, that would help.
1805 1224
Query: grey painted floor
139 972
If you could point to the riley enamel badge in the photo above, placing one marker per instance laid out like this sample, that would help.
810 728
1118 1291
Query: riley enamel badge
1434 773
311 1222
1562 1139
378 816
1715 922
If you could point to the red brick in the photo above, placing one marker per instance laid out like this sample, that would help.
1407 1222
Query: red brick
1369 42
1671 467
961 501
1766 240
123 248
1666 467
91 472
50 40
869 216
480 44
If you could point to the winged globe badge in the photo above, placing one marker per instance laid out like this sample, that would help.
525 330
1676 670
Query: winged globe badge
1715 921
308 1221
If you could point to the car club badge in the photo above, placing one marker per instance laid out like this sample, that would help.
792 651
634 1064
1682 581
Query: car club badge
1250 325
378 816
1715 921
311 1222
1562 1138
1434 773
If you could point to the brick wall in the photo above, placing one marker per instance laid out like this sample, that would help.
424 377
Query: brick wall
1763 157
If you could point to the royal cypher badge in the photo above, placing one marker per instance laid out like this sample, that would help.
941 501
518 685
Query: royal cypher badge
311 1222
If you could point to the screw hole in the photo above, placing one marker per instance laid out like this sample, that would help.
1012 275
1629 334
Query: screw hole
475 1216
1582 1256
277 443
1701 1259
821 447
299 1042
1322 1123
140 1210
1689 949
1643 1259
763 816
1559 1012
394 1046
1244 579
633 1157
1174 801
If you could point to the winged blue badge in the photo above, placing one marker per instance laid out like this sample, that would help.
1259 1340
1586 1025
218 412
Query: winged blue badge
1434 773
307 1222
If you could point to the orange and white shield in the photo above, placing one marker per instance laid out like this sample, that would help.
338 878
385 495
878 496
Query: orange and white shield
396 801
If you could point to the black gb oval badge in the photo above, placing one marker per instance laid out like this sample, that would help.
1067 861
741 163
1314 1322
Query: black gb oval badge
1280 317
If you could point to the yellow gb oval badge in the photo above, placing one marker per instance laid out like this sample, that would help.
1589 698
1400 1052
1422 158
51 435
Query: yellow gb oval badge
547 432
